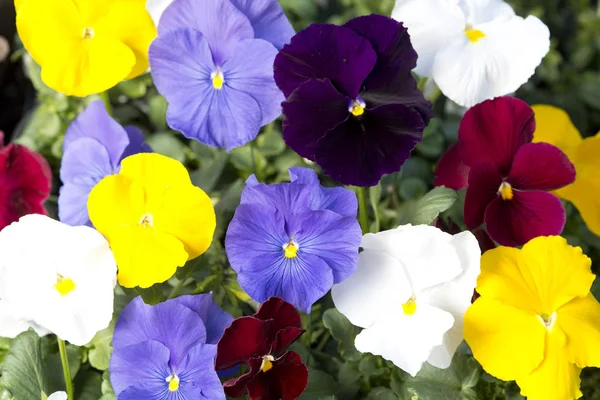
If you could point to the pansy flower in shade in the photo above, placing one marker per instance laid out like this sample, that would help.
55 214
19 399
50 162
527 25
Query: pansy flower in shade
213 62
153 217
261 342
410 299
167 351
293 240
352 104
555 127
86 46
25 180
473 49
508 177
71 270
536 321
94 146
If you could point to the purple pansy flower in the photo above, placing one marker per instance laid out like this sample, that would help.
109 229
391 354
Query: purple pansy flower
352 103
293 240
94 146
167 351
213 62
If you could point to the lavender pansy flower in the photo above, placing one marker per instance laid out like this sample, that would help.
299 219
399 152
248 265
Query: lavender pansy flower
293 240
213 62
352 104
167 351
94 146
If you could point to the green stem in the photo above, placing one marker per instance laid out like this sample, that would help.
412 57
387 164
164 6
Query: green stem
62 348
363 212
324 340
106 100
175 292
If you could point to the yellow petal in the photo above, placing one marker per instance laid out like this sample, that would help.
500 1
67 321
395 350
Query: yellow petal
554 126
587 184
155 173
502 278
507 342
145 256
137 36
18 4
114 202
556 378
580 321
187 213
556 271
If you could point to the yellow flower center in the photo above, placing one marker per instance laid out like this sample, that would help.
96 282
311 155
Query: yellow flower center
147 221
410 307
217 79
64 286
88 33
548 320
505 190
290 250
357 107
474 35
267 363
173 381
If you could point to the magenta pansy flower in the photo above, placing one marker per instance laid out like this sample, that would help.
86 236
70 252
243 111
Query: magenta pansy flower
508 178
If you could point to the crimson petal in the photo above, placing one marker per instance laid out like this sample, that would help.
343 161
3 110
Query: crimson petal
287 379
451 171
245 338
541 166
286 322
325 51
494 130
484 182
527 216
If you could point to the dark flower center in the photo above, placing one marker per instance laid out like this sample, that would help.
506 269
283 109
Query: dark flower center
505 191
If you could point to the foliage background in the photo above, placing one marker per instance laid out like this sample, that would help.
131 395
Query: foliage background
569 78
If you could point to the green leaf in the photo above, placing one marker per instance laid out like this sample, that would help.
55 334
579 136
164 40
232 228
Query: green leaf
22 370
88 385
343 331
369 366
241 158
321 386
168 145
207 176
270 143
52 366
374 198
134 88
454 383
432 204
100 347
157 111
381 393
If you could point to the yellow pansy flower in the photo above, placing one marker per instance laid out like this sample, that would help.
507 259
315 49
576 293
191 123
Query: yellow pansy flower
536 321
153 217
555 127
86 46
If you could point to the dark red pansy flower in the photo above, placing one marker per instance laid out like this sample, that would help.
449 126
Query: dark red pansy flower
25 182
260 342
508 178
352 104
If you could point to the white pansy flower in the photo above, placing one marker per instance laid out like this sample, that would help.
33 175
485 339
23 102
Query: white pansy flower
58 277
156 8
473 49
58 396
410 292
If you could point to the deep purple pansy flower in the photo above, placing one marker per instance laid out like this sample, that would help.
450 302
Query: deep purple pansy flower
167 351
213 62
94 146
508 178
352 104
293 240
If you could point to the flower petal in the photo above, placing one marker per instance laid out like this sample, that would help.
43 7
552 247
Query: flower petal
484 182
219 21
287 198
343 56
431 24
312 110
360 151
579 319
198 368
527 216
245 338
406 340
554 126
378 286
268 20
507 341
493 131
214 318
451 171
286 380
541 166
